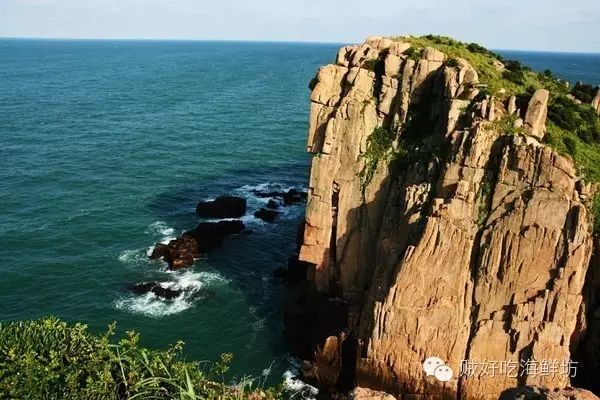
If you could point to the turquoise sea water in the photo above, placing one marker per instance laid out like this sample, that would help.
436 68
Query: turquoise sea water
107 146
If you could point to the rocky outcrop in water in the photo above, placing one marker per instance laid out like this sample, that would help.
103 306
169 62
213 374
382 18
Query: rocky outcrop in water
289 197
181 252
472 241
266 214
157 289
222 207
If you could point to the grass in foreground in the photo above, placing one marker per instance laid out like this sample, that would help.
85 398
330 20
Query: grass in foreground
49 359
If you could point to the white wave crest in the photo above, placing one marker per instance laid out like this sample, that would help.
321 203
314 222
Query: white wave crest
161 232
189 282
298 389
132 257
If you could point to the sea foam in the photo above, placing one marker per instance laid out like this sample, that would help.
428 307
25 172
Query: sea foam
190 283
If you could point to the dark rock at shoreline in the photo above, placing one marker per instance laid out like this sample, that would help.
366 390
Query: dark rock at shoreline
311 317
156 288
294 196
294 273
222 207
273 204
207 236
266 214
291 196
210 235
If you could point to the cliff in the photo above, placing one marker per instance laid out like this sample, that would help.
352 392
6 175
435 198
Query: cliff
450 214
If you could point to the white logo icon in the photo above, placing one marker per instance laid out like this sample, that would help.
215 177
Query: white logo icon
435 366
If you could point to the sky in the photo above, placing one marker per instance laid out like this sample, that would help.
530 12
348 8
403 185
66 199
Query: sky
553 25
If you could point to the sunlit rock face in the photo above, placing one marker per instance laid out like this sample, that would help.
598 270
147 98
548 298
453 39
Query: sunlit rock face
464 241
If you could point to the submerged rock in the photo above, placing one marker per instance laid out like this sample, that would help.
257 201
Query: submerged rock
222 207
207 236
266 214
273 204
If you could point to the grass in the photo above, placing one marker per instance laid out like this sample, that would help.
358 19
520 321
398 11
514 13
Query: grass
506 124
514 78
573 129
49 359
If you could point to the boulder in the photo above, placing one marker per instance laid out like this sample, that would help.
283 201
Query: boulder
361 393
431 54
596 101
207 236
266 214
222 207
535 118
398 48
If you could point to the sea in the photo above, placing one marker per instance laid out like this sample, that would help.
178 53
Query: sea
107 147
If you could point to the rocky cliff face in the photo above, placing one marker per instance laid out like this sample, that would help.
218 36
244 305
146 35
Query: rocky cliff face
466 238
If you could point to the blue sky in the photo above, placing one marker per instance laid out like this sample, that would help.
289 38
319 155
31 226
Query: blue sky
501 24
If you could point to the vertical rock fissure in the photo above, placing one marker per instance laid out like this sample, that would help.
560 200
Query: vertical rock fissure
487 190
334 265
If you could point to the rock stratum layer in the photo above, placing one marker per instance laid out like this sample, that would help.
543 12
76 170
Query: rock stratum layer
469 239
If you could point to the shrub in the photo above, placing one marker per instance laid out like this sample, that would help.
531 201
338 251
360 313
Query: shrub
580 119
584 93
514 73
506 124
379 145
48 359
451 62
370 64
413 53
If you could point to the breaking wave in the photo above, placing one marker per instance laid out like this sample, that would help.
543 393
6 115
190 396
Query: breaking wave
193 287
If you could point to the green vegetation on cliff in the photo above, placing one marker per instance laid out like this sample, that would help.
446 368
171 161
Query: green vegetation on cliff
573 126
379 146
49 359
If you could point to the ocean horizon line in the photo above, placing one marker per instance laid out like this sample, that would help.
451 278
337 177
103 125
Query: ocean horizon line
257 41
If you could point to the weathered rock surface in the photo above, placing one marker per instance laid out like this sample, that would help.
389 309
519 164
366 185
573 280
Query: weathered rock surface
360 393
476 253
222 207
596 101
181 252
537 111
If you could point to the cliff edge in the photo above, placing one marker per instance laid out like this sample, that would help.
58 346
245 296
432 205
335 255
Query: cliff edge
449 215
